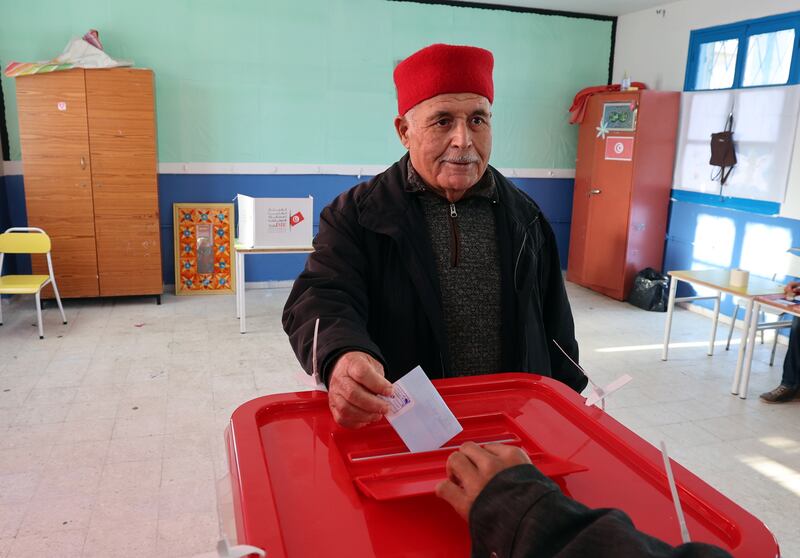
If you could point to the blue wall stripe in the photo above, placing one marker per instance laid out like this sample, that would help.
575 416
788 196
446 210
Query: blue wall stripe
554 196
742 204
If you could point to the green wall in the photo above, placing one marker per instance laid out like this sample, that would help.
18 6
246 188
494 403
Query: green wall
310 81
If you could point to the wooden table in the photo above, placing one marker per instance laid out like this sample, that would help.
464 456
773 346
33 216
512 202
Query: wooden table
720 281
242 251
775 302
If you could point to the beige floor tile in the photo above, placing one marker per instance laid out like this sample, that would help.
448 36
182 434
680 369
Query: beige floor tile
11 516
187 534
99 393
115 507
188 446
43 414
55 515
88 410
69 483
19 488
146 448
130 539
63 543
141 475
94 430
183 469
78 455
27 458
189 496
42 435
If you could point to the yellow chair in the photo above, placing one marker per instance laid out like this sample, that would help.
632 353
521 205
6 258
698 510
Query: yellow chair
27 240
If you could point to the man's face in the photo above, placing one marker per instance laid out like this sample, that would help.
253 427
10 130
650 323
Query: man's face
449 139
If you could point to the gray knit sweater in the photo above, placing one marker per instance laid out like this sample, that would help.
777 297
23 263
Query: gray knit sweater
464 241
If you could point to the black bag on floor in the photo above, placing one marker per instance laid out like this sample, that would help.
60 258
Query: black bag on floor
650 290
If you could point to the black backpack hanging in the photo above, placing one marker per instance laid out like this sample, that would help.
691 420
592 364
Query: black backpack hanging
723 154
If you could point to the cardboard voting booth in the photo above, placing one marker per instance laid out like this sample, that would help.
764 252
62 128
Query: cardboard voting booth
303 486
275 222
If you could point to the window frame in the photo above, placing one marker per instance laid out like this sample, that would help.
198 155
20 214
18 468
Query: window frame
742 31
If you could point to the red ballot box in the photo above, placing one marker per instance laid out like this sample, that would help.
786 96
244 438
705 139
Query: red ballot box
303 486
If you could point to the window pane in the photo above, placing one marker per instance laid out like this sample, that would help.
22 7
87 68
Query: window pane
716 64
769 56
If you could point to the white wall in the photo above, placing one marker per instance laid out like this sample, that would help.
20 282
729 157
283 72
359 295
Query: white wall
652 48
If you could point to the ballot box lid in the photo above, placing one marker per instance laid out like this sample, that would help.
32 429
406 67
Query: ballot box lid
303 486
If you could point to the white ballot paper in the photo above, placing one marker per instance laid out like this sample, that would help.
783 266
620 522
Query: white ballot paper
419 414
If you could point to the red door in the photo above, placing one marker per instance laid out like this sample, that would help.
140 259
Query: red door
607 230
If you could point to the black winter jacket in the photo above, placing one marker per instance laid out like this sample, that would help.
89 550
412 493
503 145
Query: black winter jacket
372 281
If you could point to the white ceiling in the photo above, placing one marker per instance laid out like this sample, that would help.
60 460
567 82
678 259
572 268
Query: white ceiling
598 7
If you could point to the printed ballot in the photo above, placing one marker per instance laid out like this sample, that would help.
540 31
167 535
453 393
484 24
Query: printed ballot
418 413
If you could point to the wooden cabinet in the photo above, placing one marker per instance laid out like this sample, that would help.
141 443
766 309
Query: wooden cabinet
622 187
90 174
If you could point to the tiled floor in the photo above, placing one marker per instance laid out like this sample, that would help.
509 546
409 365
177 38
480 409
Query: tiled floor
111 427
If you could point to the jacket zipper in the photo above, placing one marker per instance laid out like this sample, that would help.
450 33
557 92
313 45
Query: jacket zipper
454 250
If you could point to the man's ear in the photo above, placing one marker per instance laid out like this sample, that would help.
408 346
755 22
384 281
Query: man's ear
401 125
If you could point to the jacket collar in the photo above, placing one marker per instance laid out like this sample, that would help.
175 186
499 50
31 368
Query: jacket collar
386 204
484 188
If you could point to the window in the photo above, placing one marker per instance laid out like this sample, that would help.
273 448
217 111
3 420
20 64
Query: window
751 53
769 56
717 64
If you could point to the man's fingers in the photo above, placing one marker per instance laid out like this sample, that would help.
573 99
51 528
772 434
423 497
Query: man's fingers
357 395
460 467
454 496
479 456
345 412
508 454
371 377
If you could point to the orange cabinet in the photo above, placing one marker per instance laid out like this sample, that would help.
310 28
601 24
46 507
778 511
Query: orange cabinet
88 143
623 179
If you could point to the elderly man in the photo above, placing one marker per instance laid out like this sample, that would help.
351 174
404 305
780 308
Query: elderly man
439 261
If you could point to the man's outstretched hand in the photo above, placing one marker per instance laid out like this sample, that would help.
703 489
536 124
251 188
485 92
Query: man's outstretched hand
471 468
356 381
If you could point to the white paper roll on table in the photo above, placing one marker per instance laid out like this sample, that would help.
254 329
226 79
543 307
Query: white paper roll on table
739 277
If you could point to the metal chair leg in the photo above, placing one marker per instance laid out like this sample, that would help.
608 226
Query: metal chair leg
733 326
761 319
774 347
58 300
39 314
1 310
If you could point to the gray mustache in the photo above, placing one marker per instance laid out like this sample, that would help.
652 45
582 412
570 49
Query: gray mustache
463 160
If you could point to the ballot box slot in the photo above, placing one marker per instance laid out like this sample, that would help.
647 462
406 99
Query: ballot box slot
382 468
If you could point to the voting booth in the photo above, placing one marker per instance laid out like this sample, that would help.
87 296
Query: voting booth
303 486
275 222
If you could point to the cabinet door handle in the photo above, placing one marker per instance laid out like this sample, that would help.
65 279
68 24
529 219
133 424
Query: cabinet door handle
594 191
83 163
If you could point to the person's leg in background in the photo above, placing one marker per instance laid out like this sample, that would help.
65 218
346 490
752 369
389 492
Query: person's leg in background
790 382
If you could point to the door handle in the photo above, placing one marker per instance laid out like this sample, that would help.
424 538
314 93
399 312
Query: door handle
83 163
594 191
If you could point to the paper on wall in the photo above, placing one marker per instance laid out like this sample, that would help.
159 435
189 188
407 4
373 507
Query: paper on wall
418 413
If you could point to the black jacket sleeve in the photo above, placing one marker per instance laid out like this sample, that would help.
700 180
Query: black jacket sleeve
557 315
332 287
521 513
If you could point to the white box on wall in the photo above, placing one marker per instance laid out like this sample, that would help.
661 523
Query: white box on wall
275 222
